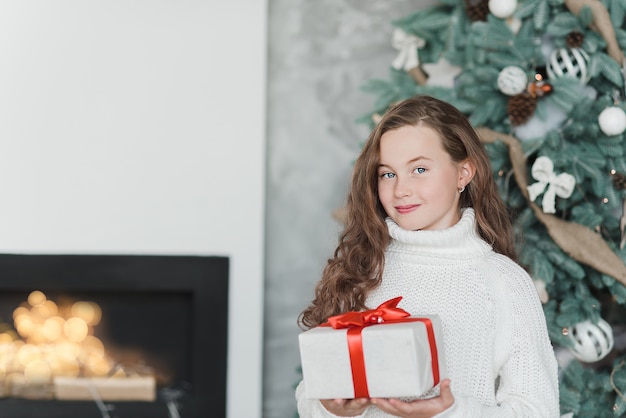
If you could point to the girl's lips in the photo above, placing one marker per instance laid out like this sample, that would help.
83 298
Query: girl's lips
406 208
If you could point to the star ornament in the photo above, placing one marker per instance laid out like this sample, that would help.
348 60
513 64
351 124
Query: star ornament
441 73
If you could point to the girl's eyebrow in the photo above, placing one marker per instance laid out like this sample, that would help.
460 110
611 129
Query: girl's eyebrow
412 161
418 158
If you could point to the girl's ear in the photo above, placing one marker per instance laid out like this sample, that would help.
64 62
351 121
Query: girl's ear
467 170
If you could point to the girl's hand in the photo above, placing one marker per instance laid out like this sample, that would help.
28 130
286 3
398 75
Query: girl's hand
346 407
421 408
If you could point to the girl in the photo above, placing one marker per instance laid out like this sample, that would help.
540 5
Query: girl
425 222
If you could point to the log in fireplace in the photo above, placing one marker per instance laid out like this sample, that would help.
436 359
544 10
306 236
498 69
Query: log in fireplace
169 312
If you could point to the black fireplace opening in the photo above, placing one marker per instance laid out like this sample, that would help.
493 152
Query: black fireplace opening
163 313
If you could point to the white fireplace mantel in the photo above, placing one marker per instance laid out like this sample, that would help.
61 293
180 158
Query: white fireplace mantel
138 128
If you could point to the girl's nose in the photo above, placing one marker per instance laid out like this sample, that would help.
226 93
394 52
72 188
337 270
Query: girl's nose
402 188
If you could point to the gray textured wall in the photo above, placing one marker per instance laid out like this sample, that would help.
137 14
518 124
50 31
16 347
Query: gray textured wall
320 54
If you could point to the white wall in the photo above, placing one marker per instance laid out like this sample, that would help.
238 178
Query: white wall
138 127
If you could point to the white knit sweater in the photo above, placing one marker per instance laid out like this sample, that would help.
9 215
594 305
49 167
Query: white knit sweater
497 352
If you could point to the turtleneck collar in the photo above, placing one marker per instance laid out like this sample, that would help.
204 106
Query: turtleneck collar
461 239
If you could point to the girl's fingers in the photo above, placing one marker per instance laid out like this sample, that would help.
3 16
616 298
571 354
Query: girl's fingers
446 393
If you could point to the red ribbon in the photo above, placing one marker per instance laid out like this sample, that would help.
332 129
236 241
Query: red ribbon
386 312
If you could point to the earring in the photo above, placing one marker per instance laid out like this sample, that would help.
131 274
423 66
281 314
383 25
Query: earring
461 189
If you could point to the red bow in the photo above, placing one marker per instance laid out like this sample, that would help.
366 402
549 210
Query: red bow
386 311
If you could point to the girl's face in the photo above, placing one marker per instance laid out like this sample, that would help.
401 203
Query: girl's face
418 183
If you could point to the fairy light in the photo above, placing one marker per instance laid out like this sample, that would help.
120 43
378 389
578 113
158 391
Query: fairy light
36 297
50 341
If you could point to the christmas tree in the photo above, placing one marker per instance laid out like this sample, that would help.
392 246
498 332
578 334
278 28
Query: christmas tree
542 81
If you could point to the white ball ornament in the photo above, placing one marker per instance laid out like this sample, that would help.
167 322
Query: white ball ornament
502 9
592 342
612 121
512 80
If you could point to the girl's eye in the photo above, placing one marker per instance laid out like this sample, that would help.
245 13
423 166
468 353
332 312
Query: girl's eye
387 175
419 170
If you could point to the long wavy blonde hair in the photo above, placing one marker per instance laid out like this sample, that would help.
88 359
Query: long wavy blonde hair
357 265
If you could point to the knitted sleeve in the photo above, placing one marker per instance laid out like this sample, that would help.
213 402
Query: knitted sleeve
528 375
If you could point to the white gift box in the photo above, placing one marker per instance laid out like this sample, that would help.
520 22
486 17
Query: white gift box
398 359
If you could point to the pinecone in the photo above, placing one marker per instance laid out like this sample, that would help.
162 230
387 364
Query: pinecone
520 108
477 10
575 39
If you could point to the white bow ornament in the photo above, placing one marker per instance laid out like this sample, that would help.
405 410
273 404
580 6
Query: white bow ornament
408 45
561 185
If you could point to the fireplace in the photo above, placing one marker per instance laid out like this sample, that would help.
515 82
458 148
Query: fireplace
168 313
